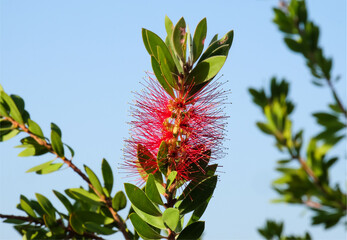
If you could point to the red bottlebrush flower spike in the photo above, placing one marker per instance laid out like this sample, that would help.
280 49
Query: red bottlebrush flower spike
191 126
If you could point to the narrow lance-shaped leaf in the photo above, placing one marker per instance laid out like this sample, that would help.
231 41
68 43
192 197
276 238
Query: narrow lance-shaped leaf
199 39
64 200
179 38
152 191
206 70
107 175
190 47
155 221
35 128
143 229
94 180
159 75
198 195
25 204
14 111
167 73
51 168
39 167
46 205
139 199
57 144
82 194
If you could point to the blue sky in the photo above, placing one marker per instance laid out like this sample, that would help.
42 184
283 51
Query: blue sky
76 63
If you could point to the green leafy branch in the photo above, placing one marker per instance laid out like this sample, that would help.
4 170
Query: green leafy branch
15 119
302 36
310 183
39 233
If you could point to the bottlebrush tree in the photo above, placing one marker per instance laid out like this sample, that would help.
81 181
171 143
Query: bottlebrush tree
175 138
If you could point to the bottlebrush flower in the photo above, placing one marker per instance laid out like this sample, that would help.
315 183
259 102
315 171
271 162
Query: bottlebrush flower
191 127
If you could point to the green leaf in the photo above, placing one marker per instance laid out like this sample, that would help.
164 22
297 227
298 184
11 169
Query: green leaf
56 129
76 224
168 41
4 136
94 180
155 43
93 227
199 39
139 199
265 128
198 195
88 216
57 144
64 200
25 204
162 157
171 178
192 231
155 221
107 175
39 167
179 38
82 194
51 168
14 221
198 212
190 47
46 205
3 110
35 128
14 111
293 45
19 103
143 229
29 151
171 217
169 27
145 41
168 74
226 40
119 201
152 191
71 150
157 72
206 70
215 38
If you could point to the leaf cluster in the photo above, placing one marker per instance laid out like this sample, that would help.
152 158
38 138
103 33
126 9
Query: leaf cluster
274 231
179 62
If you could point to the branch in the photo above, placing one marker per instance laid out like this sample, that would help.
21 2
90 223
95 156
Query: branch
68 229
108 202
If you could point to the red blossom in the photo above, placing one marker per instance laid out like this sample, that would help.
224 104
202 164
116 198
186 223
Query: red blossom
192 126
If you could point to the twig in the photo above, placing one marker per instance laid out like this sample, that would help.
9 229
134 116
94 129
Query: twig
68 229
